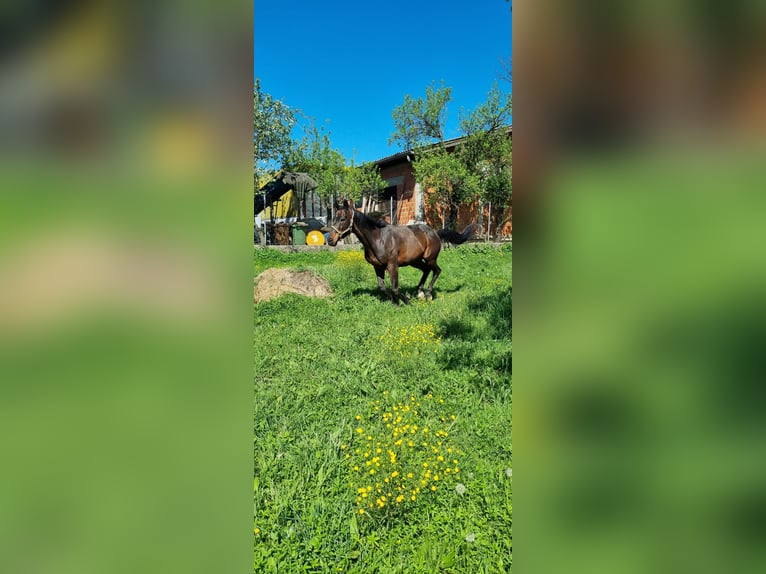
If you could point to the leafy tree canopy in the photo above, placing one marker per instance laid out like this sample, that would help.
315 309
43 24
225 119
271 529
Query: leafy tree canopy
336 175
479 168
273 122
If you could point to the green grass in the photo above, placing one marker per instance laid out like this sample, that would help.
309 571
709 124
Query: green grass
321 363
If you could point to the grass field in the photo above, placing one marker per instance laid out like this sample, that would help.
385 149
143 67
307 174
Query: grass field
382 434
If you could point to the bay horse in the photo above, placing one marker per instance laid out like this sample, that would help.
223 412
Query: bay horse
388 247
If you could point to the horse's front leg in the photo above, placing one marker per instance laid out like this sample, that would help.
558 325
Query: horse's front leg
393 273
380 271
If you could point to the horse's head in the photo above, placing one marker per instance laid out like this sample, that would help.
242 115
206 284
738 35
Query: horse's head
343 224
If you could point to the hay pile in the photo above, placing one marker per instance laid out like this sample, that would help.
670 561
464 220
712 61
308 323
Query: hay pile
275 282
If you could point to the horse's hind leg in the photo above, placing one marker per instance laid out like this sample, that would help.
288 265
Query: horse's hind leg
423 266
437 271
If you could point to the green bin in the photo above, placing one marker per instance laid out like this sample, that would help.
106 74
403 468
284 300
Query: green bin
299 234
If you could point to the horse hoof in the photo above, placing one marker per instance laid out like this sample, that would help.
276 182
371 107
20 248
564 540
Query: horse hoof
429 297
421 295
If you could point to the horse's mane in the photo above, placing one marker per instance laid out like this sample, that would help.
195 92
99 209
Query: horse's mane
368 222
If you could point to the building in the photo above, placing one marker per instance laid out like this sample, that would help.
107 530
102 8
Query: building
404 200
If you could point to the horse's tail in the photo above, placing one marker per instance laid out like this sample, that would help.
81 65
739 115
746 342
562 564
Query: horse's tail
455 237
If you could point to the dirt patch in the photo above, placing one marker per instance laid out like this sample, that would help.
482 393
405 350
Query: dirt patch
275 282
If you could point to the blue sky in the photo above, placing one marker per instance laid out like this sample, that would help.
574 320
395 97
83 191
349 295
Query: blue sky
349 63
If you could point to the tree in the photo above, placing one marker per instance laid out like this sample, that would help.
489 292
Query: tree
419 121
363 179
447 178
487 149
507 73
477 169
273 122
419 124
336 176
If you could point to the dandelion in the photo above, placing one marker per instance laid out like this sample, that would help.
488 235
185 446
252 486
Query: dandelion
460 488
256 531
387 456
509 472
470 538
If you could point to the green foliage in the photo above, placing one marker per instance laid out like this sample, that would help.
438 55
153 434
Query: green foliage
362 180
419 121
487 150
314 154
447 177
336 176
273 122
480 167
320 363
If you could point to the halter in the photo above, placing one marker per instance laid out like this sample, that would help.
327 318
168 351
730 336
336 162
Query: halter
342 234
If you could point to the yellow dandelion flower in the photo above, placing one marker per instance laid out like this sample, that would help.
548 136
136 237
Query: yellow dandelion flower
412 498
433 487
361 511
